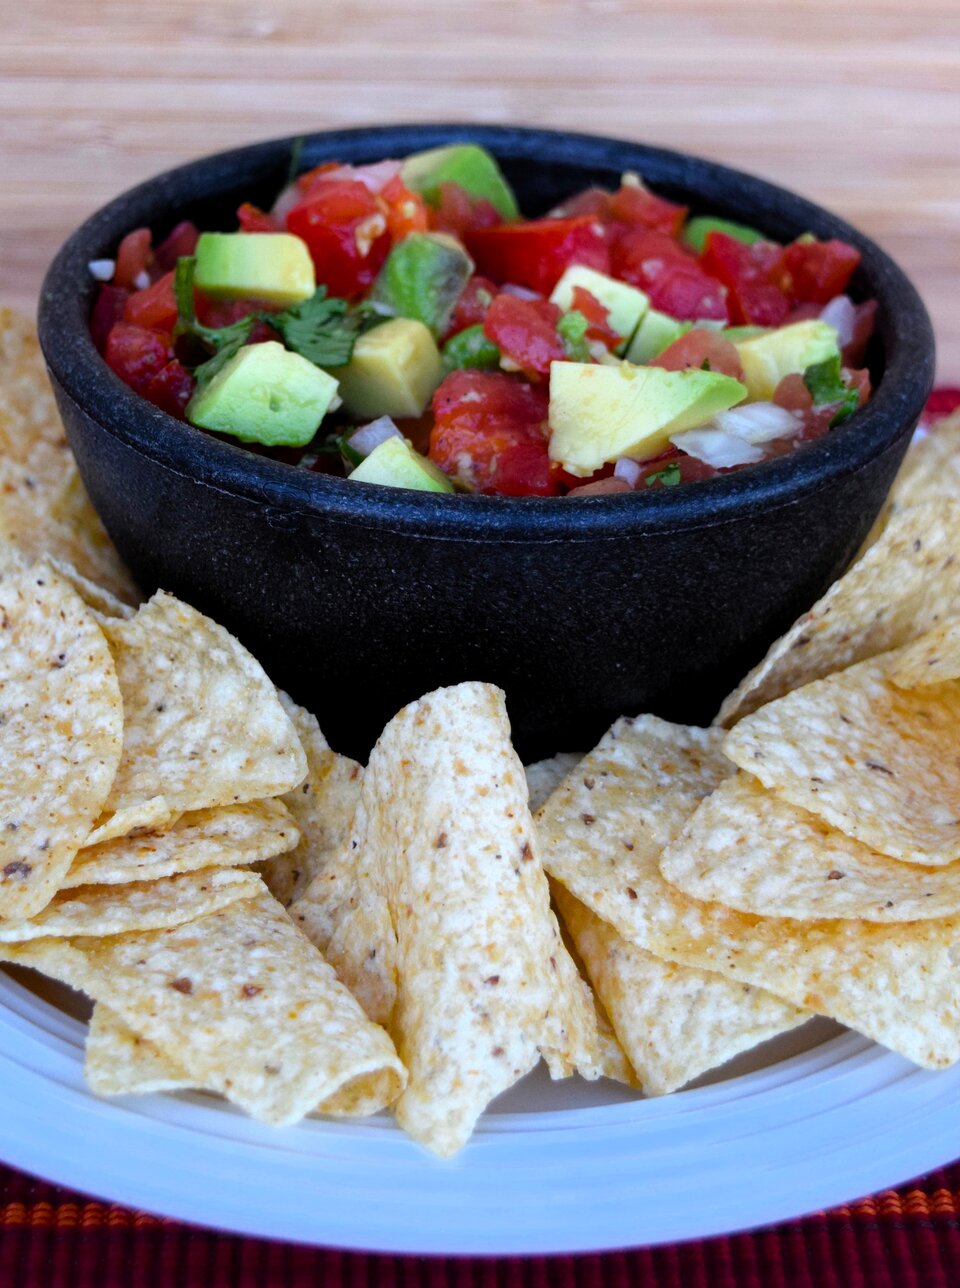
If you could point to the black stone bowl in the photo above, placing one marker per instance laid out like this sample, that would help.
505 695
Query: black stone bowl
360 598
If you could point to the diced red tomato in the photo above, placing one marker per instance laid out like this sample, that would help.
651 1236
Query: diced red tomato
135 354
857 378
688 293
489 433
818 270
171 389
182 240
592 201
792 394
699 347
602 487
691 470
306 181
155 307
525 332
345 229
217 313
471 308
865 316
254 220
406 210
457 212
752 276
641 255
134 258
111 301
585 302
635 205
534 254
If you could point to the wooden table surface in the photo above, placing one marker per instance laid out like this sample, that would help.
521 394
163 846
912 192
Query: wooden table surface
857 105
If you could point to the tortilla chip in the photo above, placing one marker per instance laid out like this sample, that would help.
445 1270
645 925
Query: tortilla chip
143 905
97 598
28 410
448 851
877 762
202 723
62 732
930 472
896 984
750 850
934 658
904 585
227 836
675 1023
322 806
241 1002
545 776
145 816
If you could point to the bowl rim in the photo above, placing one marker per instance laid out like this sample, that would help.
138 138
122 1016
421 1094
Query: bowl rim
84 377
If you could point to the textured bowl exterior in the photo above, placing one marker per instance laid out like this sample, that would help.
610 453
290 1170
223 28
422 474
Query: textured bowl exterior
358 599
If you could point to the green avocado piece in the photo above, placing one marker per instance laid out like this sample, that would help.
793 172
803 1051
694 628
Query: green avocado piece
470 348
466 164
394 463
274 267
699 228
767 358
393 371
265 394
600 413
626 305
654 333
423 277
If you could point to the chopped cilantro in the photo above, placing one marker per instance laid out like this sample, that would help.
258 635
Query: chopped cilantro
572 329
669 476
826 387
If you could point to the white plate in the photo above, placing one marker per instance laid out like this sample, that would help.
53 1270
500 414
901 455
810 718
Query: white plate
821 1117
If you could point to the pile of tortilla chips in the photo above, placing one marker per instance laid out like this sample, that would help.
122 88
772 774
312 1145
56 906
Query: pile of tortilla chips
257 916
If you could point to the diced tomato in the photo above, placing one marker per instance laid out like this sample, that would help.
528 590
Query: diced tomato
181 241
171 389
406 210
135 354
525 332
865 316
691 470
534 254
471 308
688 294
457 212
641 255
306 181
818 270
857 378
635 205
490 434
752 276
134 257
155 307
699 347
592 201
345 229
217 313
108 309
602 487
585 302
804 312
792 394
254 220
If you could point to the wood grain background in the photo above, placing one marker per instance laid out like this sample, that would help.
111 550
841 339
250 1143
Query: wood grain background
857 105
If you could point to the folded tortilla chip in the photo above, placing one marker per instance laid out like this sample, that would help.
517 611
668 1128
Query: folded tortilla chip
878 762
934 658
202 723
896 984
545 776
674 1023
903 586
448 851
61 718
242 1003
322 805
226 836
750 850
133 820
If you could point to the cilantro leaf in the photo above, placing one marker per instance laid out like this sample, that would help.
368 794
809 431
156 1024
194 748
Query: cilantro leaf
321 329
572 329
669 476
826 387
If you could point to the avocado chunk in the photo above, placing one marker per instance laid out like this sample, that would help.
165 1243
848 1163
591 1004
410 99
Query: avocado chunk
423 277
466 164
273 267
654 333
699 228
600 413
625 305
394 463
265 394
767 358
393 372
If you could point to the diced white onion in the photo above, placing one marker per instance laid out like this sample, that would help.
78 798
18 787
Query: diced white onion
374 177
142 280
758 422
367 437
289 197
627 469
841 313
521 292
714 447
102 269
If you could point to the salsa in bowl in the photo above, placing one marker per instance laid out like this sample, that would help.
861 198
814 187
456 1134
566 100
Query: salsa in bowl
359 596
401 322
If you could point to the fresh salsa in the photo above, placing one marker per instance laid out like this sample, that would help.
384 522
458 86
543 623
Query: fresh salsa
402 323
